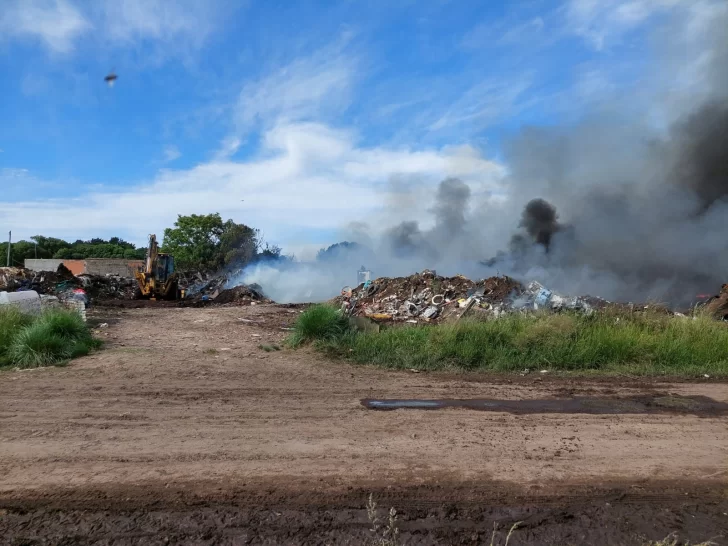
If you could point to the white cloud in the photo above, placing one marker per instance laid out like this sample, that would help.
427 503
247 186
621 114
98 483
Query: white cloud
131 20
171 153
59 24
523 32
307 177
56 23
602 22
483 103
307 88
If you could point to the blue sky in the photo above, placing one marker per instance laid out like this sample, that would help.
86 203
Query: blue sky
294 117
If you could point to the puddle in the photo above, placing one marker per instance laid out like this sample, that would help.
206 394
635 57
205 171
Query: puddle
697 405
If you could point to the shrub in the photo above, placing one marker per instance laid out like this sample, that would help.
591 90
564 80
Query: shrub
320 322
36 345
53 338
12 321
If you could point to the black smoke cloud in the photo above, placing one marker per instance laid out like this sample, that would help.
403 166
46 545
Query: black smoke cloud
700 145
540 220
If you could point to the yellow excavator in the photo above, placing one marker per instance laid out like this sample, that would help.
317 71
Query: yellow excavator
158 279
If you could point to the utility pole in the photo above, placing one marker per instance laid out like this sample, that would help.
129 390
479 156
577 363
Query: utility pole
10 239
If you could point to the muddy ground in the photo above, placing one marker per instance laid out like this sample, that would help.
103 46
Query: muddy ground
183 430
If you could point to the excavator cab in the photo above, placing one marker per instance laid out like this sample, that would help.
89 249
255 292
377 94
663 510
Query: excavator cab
165 267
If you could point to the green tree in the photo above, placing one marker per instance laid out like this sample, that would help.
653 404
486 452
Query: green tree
195 240
48 246
238 244
206 242
64 254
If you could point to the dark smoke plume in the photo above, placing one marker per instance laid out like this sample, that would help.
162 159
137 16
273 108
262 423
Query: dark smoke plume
407 240
450 206
540 221
701 159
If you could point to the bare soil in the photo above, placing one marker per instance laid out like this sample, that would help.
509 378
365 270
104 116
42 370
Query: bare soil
183 430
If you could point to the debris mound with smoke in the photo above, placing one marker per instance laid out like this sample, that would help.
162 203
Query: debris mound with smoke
613 206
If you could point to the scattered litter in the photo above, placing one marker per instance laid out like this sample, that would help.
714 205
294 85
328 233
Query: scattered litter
430 313
104 325
225 349
255 335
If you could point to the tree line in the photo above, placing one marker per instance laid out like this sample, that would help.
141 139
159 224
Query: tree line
40 246
197 242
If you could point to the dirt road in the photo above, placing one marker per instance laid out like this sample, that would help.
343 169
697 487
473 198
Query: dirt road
184 430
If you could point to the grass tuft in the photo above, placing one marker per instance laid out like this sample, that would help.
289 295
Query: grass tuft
36 346
12 321
65 324
50 339
639 344
319 323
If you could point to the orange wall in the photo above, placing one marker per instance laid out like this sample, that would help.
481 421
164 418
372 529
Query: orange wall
76 266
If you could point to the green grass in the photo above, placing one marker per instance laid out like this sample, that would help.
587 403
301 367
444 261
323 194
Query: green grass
50 339
11 322
639 344
320 322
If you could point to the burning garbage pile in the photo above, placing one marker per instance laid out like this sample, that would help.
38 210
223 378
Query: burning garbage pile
216 290
427 297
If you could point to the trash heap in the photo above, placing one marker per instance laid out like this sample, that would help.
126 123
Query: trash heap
17 279
427 297
203 289
242 295
424 296
717 307
50 289
62 283
205 283
109 287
